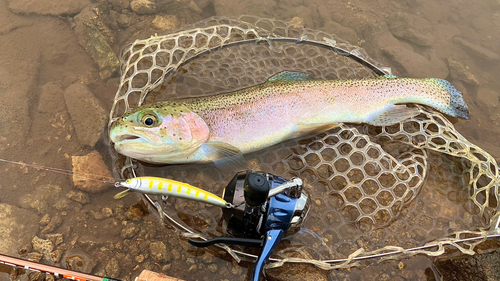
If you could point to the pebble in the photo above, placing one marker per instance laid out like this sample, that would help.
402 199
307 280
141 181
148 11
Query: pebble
35 256
56 255
79 197
54 223
55 238
42 246
159 252
103 214
129 231
87 113
167 22
45 220
124 20
91 163
113 268
212 267
140 258
143 7
36 276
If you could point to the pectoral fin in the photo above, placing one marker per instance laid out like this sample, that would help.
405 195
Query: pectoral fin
224 155
392 115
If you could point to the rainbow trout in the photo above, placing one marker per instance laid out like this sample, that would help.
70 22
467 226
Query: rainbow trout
288 105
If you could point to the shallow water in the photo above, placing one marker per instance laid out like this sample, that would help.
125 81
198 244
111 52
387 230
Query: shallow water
42 56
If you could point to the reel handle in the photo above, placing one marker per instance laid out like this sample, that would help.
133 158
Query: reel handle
270 241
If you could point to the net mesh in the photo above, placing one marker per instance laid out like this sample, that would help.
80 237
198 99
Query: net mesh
403 189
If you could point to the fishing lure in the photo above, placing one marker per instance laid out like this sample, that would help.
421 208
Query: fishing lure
161 186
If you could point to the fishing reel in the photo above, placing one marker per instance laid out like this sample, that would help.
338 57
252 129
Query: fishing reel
264 209
258 208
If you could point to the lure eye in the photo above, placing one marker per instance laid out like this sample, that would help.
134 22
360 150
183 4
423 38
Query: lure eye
128 181
149 120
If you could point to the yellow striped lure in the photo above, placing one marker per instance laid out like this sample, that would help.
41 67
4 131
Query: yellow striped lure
161 186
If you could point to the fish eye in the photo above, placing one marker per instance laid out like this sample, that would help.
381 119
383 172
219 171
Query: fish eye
149 120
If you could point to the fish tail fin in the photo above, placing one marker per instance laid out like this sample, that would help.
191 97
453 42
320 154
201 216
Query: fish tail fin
457 106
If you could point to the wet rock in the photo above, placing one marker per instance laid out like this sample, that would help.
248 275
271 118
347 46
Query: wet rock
477 267
261 8
54 223
129 231
19 68
213 267
459 72
488 100
413 64
167 22
87 113
55 238
476 50
76 260
48 7
140 258
25 249
45 198
119 5
113 268
159 252
91 163
50 99
79 197
438 66
35 256
143 7
410 27
341 31
42 246
103 214
101 52
17 226
10 21
56 255
36 276
45 220
125 20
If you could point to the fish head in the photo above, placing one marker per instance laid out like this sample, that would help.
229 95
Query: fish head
159 133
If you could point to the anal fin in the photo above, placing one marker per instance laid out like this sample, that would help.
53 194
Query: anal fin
312 129
392 115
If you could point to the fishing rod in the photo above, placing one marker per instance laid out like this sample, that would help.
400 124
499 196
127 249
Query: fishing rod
56 271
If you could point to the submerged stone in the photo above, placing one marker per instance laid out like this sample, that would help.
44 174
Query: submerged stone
17 226
48 7
87 113
91 163
101 52
411 28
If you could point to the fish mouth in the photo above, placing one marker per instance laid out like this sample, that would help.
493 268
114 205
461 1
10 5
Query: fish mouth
126 137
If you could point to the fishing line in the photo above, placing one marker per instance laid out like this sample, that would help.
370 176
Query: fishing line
88 176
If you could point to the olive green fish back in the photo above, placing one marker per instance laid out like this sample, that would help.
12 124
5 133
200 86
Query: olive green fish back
373 189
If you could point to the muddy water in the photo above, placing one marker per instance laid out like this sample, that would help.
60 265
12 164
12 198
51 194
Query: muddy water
45 58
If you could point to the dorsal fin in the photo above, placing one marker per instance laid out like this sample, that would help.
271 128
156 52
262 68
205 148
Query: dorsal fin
290 76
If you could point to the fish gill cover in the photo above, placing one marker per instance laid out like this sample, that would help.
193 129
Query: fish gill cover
375 189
